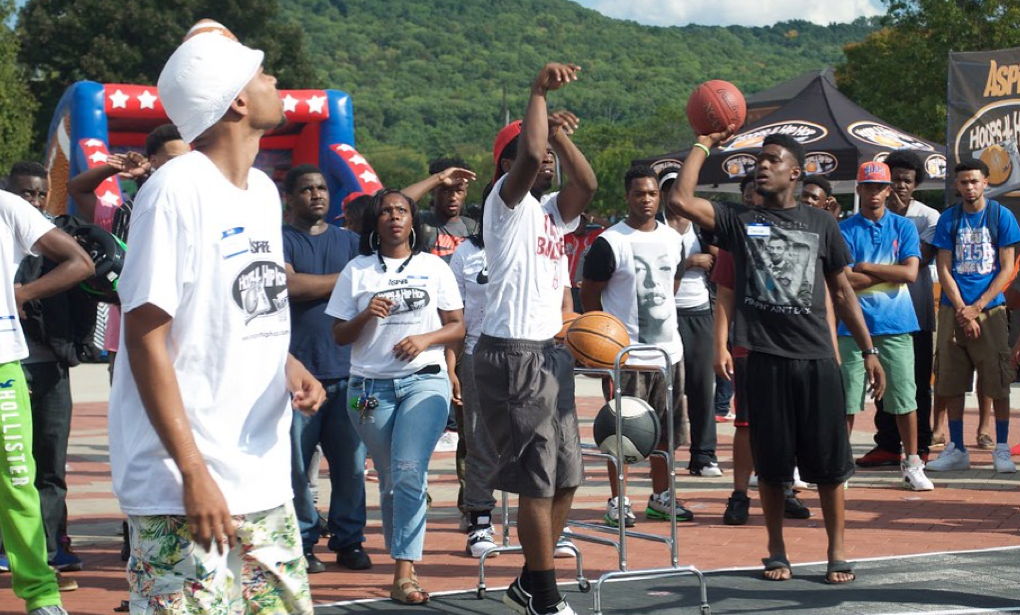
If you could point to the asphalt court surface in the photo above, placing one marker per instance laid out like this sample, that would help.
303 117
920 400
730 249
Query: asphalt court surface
948 584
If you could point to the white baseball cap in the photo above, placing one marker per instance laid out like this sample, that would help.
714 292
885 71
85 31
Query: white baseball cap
202 77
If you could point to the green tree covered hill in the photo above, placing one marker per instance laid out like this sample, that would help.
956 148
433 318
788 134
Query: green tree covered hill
428 76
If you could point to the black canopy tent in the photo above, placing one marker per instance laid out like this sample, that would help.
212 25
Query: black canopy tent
837 135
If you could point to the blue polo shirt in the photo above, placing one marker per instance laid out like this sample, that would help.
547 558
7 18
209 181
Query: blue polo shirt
975 255
311 329
887 308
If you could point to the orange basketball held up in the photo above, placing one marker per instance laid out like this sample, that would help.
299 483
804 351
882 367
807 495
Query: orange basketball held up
714 105
595 338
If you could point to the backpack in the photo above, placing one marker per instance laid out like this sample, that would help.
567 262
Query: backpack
994 211
107 252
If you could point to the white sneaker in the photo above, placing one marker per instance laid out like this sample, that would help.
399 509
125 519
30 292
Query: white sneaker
612 517
951 459
447 442
913 476
711 469
797 482
560 608
563 549
1003 464
480 541
753 483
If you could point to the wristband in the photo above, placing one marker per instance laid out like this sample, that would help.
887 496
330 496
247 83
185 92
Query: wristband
703 148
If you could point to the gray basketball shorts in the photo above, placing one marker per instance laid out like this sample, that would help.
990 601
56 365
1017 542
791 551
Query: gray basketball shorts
526 394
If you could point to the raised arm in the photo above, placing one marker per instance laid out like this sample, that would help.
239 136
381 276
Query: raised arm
535 134
82 186
681 199
446 177
581 184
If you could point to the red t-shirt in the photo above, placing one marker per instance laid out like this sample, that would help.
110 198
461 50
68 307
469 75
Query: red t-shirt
723 275
574 247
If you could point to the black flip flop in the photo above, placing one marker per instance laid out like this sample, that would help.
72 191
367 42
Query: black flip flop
776 563
840 566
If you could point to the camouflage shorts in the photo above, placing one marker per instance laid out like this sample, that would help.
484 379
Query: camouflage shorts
264 574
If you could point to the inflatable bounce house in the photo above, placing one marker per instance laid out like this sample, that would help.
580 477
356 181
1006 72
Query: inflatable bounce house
93 120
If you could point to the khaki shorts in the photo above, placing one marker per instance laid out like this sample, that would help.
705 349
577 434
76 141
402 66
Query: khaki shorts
957 356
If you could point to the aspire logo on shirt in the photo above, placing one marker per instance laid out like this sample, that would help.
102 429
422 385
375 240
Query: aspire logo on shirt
261 290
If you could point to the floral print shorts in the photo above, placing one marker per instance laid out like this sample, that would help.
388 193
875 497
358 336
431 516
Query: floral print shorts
264 574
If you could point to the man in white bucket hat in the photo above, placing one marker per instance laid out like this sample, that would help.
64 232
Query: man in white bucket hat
199 424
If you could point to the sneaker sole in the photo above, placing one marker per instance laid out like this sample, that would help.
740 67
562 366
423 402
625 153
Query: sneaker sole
513 605
470 551
615 524
910 486
654 515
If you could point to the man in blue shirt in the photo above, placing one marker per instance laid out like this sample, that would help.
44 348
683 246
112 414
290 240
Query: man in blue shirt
886 251
315 253
975 240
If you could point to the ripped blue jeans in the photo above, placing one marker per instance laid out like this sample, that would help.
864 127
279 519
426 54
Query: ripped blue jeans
408 421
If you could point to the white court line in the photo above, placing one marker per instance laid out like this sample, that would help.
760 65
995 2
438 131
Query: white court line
957 611
454 592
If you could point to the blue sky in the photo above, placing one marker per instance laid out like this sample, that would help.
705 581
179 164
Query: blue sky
734 12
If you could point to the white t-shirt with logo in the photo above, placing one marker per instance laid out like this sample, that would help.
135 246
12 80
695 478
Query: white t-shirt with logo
211 256
425 286
21 225
640 288
527 266
472 274
693 291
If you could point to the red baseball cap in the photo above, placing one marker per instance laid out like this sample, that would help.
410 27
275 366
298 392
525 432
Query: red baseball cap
507 134
874 173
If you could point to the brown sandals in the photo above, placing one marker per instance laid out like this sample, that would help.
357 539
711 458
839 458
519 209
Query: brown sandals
404 589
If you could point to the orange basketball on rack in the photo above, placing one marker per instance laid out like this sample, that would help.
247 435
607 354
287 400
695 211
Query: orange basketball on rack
595 338
568 319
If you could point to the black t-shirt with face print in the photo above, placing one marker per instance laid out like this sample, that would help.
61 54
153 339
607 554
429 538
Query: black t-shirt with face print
781 258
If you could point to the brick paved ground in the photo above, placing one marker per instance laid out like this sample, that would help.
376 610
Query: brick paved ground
969 510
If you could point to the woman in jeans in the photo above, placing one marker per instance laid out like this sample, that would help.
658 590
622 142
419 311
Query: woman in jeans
398 307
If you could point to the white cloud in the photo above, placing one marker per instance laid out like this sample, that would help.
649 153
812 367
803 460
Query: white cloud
734 12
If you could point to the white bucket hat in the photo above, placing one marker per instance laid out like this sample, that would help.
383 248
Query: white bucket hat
202 77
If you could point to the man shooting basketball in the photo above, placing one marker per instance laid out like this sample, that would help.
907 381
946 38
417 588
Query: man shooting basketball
525 383
794 387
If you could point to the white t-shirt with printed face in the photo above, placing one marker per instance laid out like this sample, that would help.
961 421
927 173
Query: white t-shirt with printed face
527 267
693 291
425 286
21 225
211 256
472 274
640 290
